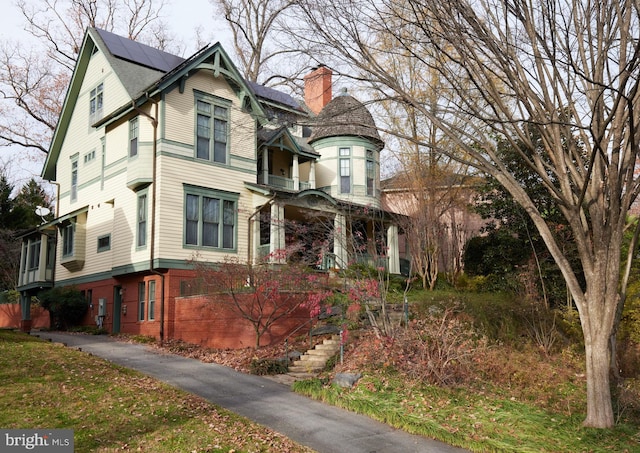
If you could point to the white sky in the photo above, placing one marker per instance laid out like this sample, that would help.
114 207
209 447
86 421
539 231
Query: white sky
183 16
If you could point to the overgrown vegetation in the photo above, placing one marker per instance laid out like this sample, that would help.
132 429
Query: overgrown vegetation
480 371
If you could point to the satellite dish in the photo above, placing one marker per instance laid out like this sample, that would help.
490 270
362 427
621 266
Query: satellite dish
42 212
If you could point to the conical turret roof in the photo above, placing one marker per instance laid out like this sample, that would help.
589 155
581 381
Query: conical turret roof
345 116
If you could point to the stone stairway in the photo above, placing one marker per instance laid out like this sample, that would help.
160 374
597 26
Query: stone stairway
314 360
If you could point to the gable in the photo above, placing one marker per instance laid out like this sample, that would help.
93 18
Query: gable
144 73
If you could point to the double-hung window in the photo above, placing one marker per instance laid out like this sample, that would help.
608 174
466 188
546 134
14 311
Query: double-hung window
141 221
152 300
141 295
210 218
74 178
96 98
68 233
371 172
133 137
34 254
345 170
212 131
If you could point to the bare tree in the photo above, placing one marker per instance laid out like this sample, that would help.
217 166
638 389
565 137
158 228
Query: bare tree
566 67
34 79
257 27
262 294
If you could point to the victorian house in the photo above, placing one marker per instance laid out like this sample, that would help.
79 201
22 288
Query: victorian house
161 160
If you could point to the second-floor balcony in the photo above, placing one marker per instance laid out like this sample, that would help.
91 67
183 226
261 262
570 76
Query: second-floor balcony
283 183
284 163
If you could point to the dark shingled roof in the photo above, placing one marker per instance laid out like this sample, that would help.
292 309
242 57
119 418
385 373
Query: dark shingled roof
274 95
137 65
345 116
139 53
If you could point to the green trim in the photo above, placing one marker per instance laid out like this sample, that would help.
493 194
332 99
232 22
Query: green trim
220 195
259 189
49 170
227 167
162 121
106 247
208 192
136 184
140 194
40 286
120 271
317 193
129 269
67 216
161 263
243 159
345 142
222 65
209 97
85 279
103 158
212 101
116 163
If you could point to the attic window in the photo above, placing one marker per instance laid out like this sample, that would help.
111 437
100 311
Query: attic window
96 99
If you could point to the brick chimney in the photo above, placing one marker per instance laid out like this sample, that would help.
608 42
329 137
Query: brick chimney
317 88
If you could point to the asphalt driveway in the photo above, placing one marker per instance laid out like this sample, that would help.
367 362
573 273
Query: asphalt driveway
324 428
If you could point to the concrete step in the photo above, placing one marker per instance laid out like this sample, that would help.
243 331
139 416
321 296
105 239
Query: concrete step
310 361
320 353
327 347
300 375
314 360
297 369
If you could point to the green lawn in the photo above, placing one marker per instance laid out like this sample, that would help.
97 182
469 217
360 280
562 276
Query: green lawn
477 422
111 408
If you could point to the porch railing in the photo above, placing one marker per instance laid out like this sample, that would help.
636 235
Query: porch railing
276 181
282 182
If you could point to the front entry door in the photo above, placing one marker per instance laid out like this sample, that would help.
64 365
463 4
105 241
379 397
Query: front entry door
117 308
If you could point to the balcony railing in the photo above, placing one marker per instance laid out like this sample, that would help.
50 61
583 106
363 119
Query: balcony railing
282 182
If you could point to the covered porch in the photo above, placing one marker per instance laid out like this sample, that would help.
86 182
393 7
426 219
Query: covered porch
312 228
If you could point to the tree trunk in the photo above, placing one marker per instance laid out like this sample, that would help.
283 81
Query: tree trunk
258 335
599 407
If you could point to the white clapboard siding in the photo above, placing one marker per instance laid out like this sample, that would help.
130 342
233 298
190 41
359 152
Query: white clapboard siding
179 120
173 173
81 138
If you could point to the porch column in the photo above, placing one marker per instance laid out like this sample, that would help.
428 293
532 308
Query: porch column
42 261
393 252
255 242
312 175
277 244
24 259
340 242
265 166
25 308
296 173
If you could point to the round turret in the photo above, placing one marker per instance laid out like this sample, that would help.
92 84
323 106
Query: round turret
345 116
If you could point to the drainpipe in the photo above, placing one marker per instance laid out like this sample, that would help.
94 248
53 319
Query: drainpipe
152 239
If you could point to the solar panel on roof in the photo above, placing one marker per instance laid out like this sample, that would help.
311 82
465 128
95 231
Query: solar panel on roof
139 53
274 95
